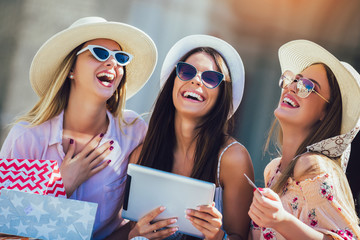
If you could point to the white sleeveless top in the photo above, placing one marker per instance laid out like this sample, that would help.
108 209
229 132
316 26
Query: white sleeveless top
218 198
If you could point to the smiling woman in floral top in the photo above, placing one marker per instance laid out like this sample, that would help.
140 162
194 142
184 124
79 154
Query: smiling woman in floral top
307 194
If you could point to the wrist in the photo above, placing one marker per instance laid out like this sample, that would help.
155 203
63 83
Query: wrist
68 190
131 236
292 226
284 223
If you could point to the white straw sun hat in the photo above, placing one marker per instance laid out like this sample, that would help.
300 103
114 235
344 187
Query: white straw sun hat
300 54
131 39
230 55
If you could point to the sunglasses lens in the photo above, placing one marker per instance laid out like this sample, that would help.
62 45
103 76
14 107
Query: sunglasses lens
304 87
185 71
285 80
122 58
102 54
212 79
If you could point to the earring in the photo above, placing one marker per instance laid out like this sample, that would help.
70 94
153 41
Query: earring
71 76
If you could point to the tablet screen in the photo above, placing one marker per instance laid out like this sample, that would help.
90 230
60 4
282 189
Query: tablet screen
148 188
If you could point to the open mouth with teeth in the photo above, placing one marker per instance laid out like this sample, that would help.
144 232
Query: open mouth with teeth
290 102
106 79
193 96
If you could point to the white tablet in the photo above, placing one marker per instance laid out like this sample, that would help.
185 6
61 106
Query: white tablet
148 188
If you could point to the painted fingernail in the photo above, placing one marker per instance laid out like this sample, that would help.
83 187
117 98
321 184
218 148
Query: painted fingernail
261 189
187 211
111 142
109 161
173 220
254 189
101 135
111 148
71 141
162 208
175 229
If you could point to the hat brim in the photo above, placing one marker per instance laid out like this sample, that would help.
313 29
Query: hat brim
300 54
131 39
231 56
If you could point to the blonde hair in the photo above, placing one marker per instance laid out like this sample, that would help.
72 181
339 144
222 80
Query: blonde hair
55 99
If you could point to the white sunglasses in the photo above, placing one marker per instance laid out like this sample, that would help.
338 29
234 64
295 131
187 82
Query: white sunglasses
102 54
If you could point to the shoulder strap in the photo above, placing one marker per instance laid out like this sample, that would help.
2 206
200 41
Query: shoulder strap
218 167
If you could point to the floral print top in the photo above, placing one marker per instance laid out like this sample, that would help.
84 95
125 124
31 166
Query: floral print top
313 201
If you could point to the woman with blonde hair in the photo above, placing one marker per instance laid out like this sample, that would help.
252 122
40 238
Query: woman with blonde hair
307 195
83 76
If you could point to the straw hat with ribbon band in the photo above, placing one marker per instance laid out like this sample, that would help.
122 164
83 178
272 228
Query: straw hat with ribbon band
230 55
300 54
131 39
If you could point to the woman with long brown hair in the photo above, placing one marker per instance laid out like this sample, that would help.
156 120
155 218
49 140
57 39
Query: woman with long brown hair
202 81
307 194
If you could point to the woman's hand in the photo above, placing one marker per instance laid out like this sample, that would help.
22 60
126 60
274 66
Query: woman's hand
77 169
156 230
267 211
208 220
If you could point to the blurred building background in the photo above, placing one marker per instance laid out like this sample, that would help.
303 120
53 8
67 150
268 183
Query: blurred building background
255 28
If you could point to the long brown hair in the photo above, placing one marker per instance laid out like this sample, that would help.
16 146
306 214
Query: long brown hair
212 132
330 126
